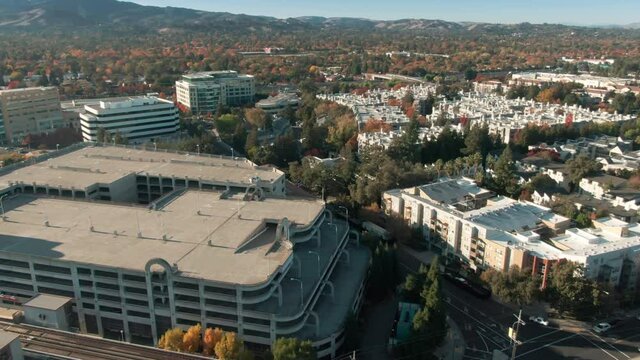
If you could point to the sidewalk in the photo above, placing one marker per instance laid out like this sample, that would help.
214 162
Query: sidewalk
454 345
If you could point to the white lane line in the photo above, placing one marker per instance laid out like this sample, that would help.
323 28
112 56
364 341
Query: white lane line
547 345
611 346
534 338
502 336
598 346
482 337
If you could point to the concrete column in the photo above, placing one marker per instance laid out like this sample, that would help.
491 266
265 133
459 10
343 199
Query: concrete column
152 309
203 311
123 305
76 291
33 277
96 306
240 312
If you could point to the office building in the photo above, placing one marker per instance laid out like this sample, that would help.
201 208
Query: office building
204 92
30 111
137 119
221 245
278 103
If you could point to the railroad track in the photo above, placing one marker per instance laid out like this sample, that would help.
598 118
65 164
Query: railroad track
73 346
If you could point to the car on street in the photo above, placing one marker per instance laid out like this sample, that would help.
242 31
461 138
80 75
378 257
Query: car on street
602 327
539 320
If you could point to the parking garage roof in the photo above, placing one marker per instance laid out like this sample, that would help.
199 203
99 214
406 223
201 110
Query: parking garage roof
91 165
203 234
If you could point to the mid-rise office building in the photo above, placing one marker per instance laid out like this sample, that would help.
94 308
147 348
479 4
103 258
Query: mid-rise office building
220 244
204 92
29 111
136 119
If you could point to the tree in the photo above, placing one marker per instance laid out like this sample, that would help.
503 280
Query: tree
118 139
570 292
172 340
293 349
515 286
582 166
256 117
229 347
227 123
504 173
478 141
191 340
211 339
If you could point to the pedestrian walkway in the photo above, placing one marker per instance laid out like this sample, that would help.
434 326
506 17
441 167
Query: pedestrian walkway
454 345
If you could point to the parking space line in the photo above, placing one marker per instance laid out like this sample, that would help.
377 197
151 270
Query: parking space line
611 346
549 344
598 346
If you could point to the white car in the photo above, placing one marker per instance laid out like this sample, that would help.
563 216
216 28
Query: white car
601 328
540 320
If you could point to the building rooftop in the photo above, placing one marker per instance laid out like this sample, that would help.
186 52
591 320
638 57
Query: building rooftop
49 302
202 234
104 165
451 191
7 338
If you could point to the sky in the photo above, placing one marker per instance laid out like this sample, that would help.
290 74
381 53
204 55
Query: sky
574 12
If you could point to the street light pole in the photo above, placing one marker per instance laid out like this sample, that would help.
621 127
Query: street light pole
198 148
318 255
301 290
514 333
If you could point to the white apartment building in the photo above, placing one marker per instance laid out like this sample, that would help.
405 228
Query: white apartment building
29 111
203 92
610 251
136 118
470 223
215 248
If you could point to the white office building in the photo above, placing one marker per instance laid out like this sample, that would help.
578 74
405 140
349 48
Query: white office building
136 119
203 92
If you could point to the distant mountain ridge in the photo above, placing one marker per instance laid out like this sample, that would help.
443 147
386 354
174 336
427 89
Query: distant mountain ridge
39 14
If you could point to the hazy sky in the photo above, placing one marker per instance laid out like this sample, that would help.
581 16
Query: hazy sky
502 11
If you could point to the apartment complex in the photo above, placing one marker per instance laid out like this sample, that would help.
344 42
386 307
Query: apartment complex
203 92
136 118
221 245
471 224
487 231
29 111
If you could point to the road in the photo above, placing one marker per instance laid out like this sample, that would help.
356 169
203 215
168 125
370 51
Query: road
485 324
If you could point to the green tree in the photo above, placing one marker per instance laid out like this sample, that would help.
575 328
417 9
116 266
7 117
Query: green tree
477 140
504 173
570 292
582 166
293 349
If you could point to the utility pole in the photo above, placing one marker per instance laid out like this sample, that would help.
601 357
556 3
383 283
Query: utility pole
513 333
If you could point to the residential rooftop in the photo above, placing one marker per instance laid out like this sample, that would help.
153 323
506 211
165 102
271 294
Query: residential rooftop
202 234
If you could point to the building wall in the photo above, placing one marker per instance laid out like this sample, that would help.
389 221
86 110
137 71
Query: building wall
204 95
30 111
150 118
56 319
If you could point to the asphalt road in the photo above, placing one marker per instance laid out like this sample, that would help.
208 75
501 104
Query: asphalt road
485 324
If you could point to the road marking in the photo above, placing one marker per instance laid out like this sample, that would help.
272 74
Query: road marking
611 346
538 337
598 346
549 344
475 319
482 338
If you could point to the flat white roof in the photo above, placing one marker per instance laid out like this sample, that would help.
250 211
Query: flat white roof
204 235
90 165
49 302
